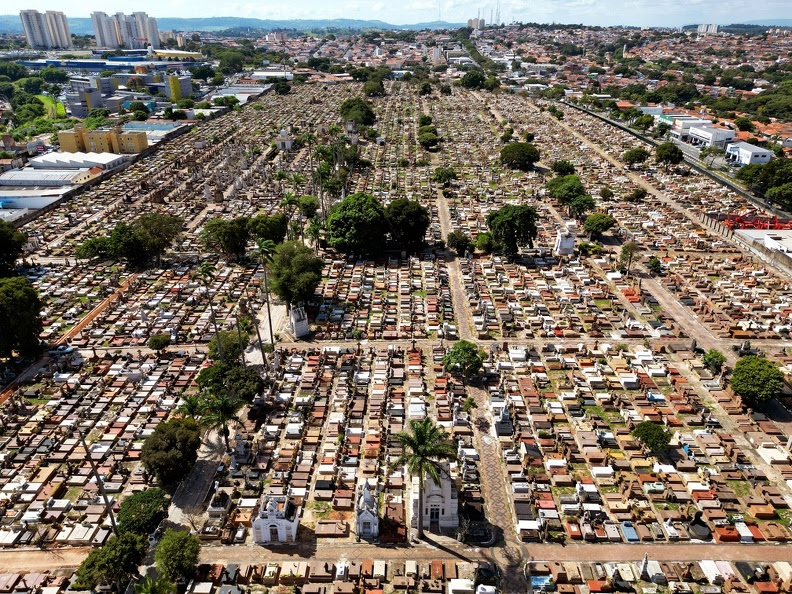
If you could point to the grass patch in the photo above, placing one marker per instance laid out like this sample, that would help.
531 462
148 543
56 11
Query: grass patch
321 509
73 493
740 488
784 517
55 109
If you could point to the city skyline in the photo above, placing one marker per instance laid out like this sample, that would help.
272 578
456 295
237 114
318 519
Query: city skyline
663 13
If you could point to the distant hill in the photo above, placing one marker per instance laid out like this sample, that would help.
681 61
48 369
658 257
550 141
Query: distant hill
771 22
10 23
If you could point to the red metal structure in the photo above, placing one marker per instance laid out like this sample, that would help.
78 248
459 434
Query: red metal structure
756 222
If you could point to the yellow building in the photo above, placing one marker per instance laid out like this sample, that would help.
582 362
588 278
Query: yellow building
114 140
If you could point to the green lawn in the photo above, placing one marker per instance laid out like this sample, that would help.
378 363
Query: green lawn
54 110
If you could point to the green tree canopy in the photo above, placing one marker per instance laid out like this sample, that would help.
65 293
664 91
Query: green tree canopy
408 221
11 244
171 450
358 110
114 564
459 242
231 344
157 342
242 381
428 140
473 79
227 236
598 223
271 228
295 272
565 188
464 358
714 360
756 380
20 317
177 555
444 175
357 225
669 154
519 155
142 512
563 167
513 226
634 156
653 436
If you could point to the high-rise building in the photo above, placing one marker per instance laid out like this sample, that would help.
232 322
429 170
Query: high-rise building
46 31
477 23
708 29
130 31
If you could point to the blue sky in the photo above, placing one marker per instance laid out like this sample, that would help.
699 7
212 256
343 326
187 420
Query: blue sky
590 12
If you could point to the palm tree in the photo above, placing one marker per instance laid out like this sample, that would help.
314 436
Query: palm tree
206 274
426 445
221 409
159 585
192 406
266 247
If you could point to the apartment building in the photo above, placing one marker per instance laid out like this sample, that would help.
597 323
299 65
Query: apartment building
49 30
113 140
130 31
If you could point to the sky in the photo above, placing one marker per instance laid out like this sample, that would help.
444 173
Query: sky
656 13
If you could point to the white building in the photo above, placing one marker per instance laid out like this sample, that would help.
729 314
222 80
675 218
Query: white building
130 31
366 513
46 31
440 502
708 29
284 141
564 243
743 153
710 136
277 521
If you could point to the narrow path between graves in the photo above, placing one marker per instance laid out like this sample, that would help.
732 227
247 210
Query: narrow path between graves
461 304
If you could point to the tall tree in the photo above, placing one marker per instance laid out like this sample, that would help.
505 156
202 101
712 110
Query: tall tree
171 450
206 274
756 380
20 317
227 237
295 272
357 225
513 226
519 155
408 221
266 249
177 555
113 564
222 410
628 252
11 244
426 446
669 154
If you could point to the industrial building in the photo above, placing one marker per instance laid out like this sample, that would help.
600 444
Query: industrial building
105 161
744 153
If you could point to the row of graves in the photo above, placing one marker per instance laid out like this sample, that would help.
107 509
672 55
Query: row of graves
436 576
647 575
96 412
320 463
338 576
564 418
384 300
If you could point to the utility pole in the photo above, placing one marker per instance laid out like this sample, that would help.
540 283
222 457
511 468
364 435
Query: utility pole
99 482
